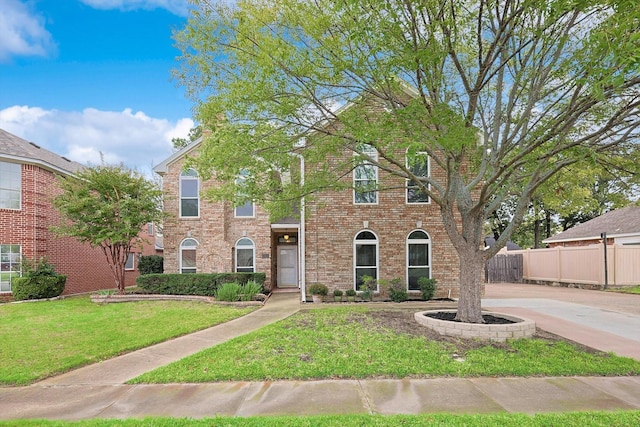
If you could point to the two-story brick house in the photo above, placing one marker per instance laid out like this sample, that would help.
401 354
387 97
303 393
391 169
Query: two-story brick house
341 236
28 181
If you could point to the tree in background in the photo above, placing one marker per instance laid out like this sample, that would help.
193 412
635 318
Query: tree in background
500 95
107 207
194 134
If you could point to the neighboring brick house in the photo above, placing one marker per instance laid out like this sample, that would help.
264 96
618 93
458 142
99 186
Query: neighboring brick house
343 235
28 175
621 225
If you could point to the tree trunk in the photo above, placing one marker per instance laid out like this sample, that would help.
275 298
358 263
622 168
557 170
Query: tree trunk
469 303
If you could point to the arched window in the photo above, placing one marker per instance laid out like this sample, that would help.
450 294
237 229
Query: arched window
189 194
418 258
245 256
365 254
188 256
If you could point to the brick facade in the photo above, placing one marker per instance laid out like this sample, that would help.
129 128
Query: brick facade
216 230
86 268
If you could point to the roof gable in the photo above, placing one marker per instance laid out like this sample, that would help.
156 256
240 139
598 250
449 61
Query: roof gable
19 150
619 222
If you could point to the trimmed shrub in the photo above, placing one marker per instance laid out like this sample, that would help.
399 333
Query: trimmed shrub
397 291
37 287
194 284
151 264
427 287
39 280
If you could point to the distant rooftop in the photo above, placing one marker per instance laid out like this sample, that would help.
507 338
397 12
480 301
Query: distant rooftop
619 222
16 149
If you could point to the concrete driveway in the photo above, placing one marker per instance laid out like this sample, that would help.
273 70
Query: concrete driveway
606 321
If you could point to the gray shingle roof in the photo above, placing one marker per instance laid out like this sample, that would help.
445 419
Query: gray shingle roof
615 223
19 150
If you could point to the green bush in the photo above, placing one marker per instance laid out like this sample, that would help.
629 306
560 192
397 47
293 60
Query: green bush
150 264
250 290
318 289
194 284
229 291
337 293
397 291
350 292
427 287
39 280
37 287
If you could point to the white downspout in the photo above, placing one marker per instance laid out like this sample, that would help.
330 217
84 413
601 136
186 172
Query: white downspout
302 239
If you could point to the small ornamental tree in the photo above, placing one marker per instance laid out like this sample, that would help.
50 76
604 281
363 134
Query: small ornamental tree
106 207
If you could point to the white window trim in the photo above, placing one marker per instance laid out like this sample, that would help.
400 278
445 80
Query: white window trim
133 262
19 272
253 212
406 188
19 208
417 242
372 153
253 254
197 179
181 247
355 266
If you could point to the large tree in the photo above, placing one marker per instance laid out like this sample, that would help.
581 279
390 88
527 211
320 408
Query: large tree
107 207
503 95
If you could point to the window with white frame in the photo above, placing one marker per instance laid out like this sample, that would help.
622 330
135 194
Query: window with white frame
246 210
419 166
188 256
245 255
130 264
9 265
150 228
418 258
189 194
365 178
365 254
10 185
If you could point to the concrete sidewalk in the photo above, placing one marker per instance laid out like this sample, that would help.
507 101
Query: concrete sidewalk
99 391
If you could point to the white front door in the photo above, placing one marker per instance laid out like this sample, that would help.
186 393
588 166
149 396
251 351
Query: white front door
287 266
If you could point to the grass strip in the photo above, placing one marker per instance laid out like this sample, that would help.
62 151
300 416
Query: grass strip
350 343
43 338
569 419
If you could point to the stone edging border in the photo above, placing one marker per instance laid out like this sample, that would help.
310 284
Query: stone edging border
114 298
523 328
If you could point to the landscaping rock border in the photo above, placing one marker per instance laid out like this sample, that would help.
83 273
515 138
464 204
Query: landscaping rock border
113 298
523 328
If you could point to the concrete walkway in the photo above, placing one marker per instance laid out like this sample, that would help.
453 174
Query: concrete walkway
98 391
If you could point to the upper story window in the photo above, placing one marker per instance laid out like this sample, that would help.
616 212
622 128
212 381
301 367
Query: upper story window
365 178
188 256
248 209
150 229
245 255
10 185
419 166
189 194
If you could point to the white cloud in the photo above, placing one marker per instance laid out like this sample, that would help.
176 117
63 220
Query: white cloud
22 33
177 7
90 135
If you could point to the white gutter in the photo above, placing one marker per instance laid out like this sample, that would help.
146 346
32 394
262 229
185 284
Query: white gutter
302 246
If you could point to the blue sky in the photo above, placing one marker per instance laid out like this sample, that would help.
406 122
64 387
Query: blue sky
84 77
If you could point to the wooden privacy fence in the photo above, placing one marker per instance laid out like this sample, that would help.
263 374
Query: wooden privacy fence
504 268
582 265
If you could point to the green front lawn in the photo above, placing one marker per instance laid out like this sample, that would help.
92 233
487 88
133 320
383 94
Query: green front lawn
627 290
40 339
359 343
571 419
